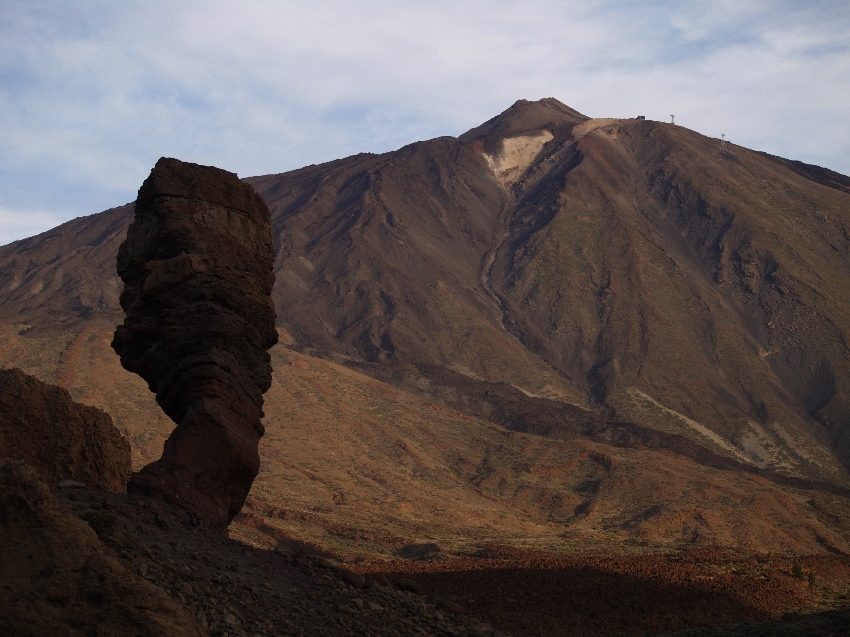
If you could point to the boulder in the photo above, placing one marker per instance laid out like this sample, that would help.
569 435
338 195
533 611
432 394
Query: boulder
61 439
197 272
58 578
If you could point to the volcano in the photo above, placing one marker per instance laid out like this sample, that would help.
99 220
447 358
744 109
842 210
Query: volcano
598 329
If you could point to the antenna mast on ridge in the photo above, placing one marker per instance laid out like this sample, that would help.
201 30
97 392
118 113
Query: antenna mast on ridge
672 119
722 142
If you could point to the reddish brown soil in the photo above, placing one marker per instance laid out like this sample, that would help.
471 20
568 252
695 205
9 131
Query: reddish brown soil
539 594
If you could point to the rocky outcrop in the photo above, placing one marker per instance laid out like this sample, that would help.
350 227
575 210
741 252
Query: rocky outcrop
63 440
59 578
197 269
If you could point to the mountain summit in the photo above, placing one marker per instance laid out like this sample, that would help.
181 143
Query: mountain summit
525 117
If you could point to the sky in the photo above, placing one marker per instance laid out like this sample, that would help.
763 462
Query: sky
92 93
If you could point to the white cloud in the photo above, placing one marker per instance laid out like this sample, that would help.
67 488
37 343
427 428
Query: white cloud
91 94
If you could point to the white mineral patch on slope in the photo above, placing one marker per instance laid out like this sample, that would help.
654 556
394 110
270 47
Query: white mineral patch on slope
693 424
588 126
516 156
757 446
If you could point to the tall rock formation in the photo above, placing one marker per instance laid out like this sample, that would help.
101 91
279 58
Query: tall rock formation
197 270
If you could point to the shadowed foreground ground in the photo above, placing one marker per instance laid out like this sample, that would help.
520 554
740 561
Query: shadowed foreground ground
529 594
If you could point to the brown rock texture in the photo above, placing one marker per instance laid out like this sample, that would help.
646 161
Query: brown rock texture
59 579
63 440
197 270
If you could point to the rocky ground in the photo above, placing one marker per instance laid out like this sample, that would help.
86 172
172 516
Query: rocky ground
236 590
709 591
79 562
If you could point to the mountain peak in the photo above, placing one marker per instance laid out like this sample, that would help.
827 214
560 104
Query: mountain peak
524 116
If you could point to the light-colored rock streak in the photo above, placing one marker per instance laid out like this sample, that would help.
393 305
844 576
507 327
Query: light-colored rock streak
516 155
699 427
590 125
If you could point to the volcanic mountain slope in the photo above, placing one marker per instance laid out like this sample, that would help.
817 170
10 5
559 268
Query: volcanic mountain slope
548 272
628 266
65 277
365 470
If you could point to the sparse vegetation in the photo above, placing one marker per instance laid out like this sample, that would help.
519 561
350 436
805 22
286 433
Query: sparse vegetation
407 584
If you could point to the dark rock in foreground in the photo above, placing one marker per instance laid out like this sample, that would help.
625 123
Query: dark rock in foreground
63 440
59 578
197 269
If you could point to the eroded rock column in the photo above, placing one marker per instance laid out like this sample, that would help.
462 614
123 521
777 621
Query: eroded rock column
197 271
